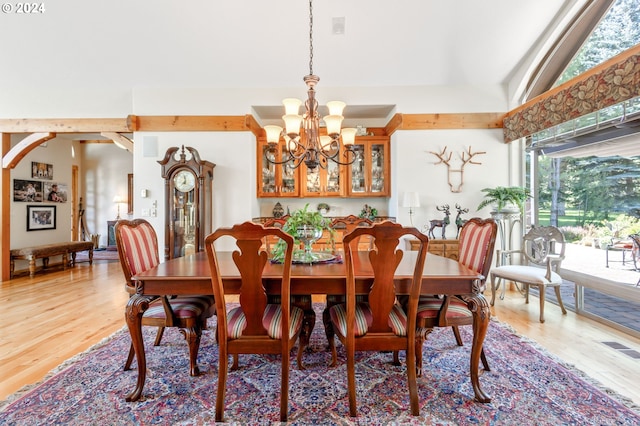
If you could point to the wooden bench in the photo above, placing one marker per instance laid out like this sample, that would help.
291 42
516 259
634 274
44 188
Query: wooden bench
45 251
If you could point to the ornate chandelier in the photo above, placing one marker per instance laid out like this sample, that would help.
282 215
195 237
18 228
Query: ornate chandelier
311 147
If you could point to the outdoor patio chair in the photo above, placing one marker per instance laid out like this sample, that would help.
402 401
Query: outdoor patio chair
542 251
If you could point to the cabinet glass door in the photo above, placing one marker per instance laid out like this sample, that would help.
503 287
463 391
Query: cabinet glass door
268 171
331 184
358 170
377 168
288 185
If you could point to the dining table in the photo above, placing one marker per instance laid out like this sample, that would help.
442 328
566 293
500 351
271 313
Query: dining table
189 275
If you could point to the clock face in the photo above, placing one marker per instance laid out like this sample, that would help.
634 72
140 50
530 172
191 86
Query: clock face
184 181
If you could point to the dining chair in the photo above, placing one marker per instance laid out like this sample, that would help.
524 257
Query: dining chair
542 251
379 323
476 242
302 301
255 326
137 246
344 226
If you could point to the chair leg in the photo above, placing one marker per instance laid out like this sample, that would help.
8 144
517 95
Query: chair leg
559 297
328 327
127 364
526 293
542 297
351 380
222 382
284 387
485 363
456 333
334 352
493 289
235 364
159 336
192 336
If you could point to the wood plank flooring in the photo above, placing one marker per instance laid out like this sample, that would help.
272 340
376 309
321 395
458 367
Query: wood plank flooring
50 318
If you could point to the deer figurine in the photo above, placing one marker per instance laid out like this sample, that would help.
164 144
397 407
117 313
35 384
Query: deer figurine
459 221
440 223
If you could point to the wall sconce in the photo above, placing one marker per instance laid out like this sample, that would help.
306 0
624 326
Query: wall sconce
411 200
118 200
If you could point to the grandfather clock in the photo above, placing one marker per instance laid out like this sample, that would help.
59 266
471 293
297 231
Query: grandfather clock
188 201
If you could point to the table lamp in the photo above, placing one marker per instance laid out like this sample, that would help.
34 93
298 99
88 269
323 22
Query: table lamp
411 200
118 200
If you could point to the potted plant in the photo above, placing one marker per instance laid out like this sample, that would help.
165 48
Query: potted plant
305 226
504 196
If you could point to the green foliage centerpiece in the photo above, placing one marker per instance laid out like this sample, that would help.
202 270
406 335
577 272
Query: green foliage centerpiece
306 227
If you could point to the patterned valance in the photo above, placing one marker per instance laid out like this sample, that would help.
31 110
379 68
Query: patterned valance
610 83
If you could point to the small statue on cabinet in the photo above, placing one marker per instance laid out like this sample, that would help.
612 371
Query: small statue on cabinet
459 221
440 223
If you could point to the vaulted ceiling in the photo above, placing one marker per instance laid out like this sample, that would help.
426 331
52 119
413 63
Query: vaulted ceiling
257 43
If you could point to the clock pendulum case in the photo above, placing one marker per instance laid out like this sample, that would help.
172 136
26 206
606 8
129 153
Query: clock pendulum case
188 201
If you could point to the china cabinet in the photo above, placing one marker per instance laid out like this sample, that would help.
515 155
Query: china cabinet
188 202
321 182
369 174
276 180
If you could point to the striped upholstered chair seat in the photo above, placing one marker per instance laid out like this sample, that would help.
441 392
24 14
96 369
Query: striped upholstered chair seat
271 321
182 307
429 307
364 319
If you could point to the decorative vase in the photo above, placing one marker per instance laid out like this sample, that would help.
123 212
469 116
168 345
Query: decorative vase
308 235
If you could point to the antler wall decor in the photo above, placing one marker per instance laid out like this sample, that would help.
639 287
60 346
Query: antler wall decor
445 159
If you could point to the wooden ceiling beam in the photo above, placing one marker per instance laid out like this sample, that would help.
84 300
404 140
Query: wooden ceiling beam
478 120
22 148
193 123
120 140
67 125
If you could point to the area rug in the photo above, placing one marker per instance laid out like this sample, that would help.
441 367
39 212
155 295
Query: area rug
527 386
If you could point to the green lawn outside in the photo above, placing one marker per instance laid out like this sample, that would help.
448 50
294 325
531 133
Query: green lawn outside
571 218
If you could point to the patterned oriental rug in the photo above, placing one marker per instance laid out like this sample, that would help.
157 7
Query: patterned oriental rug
527 386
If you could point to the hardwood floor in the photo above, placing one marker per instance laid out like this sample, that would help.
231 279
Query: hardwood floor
52 317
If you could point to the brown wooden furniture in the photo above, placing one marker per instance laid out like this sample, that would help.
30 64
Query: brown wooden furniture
46 251
542 251
138 251
190 275
477 241
188 201
379 323
368 176
446 248
344 226
268 328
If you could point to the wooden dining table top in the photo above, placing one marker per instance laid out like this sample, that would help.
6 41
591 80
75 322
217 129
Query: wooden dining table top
190 275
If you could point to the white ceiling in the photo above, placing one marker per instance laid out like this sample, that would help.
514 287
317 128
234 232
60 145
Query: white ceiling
264 43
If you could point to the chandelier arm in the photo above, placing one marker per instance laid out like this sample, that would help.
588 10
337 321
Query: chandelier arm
346 153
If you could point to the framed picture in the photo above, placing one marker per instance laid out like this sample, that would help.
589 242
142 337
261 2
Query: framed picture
41 170
41 217
55 192
28 191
